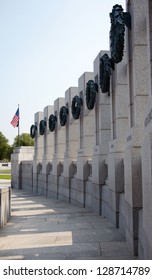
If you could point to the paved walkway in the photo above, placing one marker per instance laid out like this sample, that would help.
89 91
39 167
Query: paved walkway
4 182
44 228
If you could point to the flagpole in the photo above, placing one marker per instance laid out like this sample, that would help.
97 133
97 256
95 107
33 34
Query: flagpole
19 129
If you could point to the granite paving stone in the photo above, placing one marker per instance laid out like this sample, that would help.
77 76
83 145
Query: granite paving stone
45 228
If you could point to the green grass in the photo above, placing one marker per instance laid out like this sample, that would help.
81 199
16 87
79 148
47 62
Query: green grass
7 171
5 176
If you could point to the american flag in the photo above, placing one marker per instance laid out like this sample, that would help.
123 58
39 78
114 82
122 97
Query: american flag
15 120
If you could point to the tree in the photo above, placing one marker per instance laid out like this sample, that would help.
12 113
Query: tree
23 140
5 148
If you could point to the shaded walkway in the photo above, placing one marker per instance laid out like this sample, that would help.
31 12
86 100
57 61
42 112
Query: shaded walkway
44 228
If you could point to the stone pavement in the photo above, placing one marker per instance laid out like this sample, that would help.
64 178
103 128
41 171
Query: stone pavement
44 228
4 182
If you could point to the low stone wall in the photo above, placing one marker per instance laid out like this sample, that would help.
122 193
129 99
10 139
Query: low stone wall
20 155
5 205
26 175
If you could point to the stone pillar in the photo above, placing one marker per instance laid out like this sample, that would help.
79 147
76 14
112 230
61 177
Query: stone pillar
101 141
59 148
38 151
71 147
48 142
48 138
119 126
138 98
145 215
86 140
145 233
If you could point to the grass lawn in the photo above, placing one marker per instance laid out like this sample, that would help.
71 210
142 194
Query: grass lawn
7 171
5 176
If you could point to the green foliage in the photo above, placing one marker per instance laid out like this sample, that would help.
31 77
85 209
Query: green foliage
23 140
5 148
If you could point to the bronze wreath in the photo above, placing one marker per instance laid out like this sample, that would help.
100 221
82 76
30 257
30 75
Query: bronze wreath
63 115
91 90
33 130
106 64
118 21
77 102
42 126
52 122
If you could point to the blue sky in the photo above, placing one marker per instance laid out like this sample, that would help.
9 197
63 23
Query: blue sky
46 45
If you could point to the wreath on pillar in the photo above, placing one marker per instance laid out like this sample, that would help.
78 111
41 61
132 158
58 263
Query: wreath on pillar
106 64
77 102
52 122
91 90
33 130
118 21
63 115
42 126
